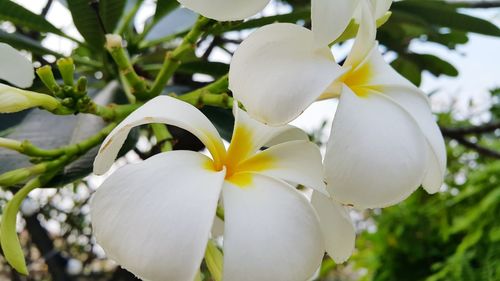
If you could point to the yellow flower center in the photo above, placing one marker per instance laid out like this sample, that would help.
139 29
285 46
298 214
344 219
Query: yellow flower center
241 160
358 80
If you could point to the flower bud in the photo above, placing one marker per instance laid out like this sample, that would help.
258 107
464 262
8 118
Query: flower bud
113 41
67 70
14 100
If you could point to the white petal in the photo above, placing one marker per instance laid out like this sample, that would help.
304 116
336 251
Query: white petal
162 109
376 155
365 39
225 10
297 162
384 79
272 233
278 71
250 135
290 133
330 18
416 103
15 68
154 218
338 229
380 7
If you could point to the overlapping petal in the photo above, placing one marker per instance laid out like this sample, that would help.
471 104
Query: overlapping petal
338 231
297 162
365 39
381 77
376 154
278 71
154 218
330 18
271 233
15 68
225 10
250 135
162 109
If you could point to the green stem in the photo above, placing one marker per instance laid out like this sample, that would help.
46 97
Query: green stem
128 18
137 83
214 94
173 58
163 136
65 154
10 144
11 246
214 261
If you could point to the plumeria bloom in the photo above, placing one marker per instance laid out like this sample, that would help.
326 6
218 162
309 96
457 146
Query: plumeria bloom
155 217
18 70
225 10
384 143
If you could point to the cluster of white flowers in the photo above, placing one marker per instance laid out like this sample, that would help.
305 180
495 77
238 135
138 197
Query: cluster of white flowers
155 217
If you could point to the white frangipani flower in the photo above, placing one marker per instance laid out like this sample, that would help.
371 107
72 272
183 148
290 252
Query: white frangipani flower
225 10
286 66
384 142
155 217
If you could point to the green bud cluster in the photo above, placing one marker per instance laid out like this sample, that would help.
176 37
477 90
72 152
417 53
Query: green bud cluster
73 96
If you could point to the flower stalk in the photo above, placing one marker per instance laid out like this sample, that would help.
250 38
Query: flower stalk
65 154
173 59
122 60
214 260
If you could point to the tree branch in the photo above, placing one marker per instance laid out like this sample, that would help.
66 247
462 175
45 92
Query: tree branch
475 4
485 128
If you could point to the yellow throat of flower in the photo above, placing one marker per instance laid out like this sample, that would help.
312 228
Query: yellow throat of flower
241 160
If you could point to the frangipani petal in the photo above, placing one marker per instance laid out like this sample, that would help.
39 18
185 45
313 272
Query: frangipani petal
15 68
365 39
297 162
278 71
330 18
385 80
162 109
157 224
416 104
250 135
289 133
338 230
380 7
376 155
225 10
271 233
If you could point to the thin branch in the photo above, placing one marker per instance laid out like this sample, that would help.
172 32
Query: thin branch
475 4
485 128
480 149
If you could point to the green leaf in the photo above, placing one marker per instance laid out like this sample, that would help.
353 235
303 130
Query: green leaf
163 8
223 120
87 23
11 247
18 15
111 11
20 41
435 65
443 14
408 69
